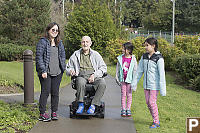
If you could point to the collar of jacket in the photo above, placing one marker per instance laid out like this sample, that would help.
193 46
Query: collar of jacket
48 41
119 58
155 57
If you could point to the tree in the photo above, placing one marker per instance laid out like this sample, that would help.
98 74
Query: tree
24 21
188 15
133 13
159 17
91 18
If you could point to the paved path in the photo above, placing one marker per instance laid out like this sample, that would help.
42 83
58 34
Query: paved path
112 123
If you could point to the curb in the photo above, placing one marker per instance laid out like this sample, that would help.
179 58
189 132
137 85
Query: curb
14 94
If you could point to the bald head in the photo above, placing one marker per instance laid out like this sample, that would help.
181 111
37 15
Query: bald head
86 38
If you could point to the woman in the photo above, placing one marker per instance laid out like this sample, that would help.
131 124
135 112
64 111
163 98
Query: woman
50 65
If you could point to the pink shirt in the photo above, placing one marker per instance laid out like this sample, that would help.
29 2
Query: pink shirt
125 65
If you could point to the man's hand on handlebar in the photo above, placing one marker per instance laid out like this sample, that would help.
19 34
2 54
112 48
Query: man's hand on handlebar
91 78
72 72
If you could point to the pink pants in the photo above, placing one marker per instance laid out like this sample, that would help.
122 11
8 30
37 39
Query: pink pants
126 92
151 98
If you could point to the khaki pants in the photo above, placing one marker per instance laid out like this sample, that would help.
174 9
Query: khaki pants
99 86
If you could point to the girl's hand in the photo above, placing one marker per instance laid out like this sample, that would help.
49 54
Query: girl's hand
44 75
118 82
134 88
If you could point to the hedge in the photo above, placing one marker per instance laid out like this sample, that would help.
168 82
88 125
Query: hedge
188 66
13 52
189 44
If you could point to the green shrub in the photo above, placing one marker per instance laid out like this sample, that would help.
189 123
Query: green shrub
169 53
12 52
189 44
138 50
91 18
24 21
189 68
195 83
5 40
114 49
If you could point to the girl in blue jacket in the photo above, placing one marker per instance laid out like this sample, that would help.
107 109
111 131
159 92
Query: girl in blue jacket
125 72
151 65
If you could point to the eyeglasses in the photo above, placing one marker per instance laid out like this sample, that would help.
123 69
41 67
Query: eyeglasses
54 30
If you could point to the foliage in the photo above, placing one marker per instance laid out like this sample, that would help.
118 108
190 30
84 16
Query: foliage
91 18
189 67
189 44
115 8
188 15
134 12
169 52
16 118
24 21
114 49
160 19
138 50
157 14
150 14
5 40
12 52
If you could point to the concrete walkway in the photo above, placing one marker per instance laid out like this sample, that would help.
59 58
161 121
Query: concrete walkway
112 123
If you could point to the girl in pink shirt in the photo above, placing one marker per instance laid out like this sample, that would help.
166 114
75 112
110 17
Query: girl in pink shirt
125 72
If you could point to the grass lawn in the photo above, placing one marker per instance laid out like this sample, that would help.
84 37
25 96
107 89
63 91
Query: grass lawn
17 118
173 109
179 103
12 73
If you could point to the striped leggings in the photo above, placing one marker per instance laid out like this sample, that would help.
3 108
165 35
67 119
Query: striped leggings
151 98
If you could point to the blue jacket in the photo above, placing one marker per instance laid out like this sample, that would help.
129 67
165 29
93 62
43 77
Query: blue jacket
42 58
154 72
131 72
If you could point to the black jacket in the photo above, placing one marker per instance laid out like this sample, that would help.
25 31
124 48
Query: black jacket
43 56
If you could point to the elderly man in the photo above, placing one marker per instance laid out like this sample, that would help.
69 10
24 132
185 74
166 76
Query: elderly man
89 66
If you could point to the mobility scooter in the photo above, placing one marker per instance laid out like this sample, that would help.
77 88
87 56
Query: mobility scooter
89 95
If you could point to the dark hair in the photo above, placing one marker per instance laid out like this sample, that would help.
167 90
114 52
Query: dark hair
128 46
152 41
57 39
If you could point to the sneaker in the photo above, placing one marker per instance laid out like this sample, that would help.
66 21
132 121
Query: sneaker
54 116
44 117
128 113
91 109
80 108
123 113
155 125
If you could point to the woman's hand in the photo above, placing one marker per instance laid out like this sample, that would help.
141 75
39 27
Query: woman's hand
44 75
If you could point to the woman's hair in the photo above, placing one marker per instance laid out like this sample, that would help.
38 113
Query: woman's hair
152 41
57 38
128 46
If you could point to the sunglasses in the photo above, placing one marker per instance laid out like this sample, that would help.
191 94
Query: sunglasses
54 30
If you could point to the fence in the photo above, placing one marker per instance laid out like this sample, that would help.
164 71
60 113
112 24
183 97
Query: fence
156 34
166 35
